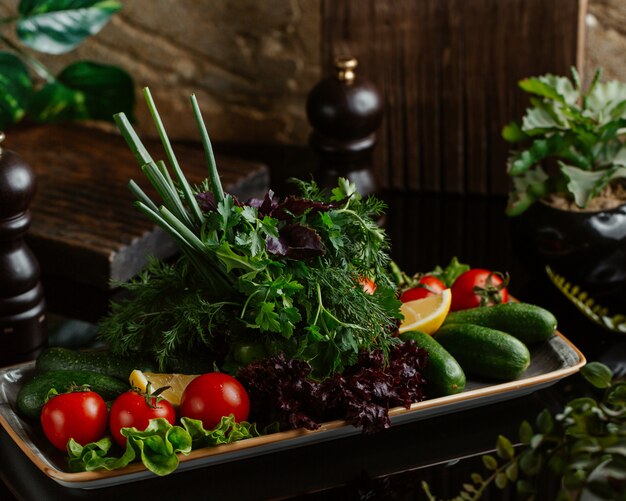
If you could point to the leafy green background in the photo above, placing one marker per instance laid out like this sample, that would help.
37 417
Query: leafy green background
82 90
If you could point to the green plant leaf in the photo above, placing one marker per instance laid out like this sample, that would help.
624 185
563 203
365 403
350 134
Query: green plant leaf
501 480
574 480
513 133
581 183
551 87
545 423
512 472
525 432
527 188
82 91
598 374
538 121
55 103
530 462
15 89
58 26
522 161
490 462
106 90
504 447
605 101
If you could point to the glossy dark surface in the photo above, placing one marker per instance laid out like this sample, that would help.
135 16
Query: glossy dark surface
425 230
589 248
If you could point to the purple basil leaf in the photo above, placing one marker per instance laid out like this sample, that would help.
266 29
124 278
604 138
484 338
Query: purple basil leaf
276 246
266 205
206 201
302 242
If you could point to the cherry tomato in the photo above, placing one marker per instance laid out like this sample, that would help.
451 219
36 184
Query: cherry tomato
369 286
478 287
81 415
428 285
211 396
136 409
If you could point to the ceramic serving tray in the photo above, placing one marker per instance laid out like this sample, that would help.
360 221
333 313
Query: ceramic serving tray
550 362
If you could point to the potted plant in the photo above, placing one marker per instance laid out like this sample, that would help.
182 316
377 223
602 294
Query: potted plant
568 172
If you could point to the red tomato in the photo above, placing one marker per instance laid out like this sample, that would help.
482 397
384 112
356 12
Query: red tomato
81 415
477 287
369 286
136 409
428 285
211 396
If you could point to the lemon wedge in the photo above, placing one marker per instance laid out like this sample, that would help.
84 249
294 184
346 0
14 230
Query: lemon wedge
425 314
176 382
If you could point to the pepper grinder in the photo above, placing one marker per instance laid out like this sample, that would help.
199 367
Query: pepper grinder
345 110
22 305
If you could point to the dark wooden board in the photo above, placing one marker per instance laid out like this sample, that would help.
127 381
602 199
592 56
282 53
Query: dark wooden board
449 70
85 228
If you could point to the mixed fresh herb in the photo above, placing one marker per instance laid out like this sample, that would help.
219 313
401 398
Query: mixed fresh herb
280 275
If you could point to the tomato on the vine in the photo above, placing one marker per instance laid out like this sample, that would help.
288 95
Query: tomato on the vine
211 396
81 415
428 285
478 287
136 409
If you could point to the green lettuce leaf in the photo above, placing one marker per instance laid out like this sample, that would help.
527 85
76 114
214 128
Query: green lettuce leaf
157 446
226 432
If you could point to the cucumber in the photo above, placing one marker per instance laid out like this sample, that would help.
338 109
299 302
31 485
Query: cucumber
32 395
483 351
102 362
527 322
444 375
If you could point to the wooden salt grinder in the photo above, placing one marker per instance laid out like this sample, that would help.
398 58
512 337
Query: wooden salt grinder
345 110
22 305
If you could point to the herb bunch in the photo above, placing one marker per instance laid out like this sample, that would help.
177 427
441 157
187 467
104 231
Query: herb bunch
583 447
279 275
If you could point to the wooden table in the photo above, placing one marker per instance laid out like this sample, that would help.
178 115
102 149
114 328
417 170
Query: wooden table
85 231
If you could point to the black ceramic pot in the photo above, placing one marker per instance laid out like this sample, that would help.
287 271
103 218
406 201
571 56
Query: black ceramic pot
588 248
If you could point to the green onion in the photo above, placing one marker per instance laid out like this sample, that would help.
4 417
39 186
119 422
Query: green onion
184 185
214 177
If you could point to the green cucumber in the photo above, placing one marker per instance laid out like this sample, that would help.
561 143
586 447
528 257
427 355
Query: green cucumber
444 375
527 322
483 351
102 362
32 395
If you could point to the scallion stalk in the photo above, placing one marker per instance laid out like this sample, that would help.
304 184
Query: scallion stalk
132 139
182 180
214 177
